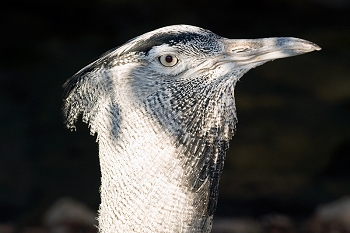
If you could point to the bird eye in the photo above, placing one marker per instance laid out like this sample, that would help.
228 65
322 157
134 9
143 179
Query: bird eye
168 60
240 49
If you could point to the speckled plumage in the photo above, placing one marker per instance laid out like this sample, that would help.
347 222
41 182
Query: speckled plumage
163 131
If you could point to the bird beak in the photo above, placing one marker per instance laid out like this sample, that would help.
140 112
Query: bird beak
246 51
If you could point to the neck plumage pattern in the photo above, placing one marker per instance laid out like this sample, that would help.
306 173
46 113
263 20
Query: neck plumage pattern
184 107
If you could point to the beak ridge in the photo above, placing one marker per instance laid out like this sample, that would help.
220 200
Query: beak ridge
266 49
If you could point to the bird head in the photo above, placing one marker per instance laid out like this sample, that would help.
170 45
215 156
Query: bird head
183 53
185 75
194 72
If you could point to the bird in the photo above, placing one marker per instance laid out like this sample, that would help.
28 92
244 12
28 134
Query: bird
163 108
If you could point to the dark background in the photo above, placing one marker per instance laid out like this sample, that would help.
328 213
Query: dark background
292 148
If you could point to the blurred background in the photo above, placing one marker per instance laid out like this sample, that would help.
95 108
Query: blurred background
289 157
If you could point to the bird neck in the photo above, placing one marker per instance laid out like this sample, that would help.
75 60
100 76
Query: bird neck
145 180
161 166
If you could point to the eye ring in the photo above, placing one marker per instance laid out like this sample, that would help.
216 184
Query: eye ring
168 60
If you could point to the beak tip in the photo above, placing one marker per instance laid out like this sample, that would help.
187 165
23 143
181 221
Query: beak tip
312 46
317 48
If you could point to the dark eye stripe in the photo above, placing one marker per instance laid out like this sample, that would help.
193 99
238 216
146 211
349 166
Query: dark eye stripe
171 38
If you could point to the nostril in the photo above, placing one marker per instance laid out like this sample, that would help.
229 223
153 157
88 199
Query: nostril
240 49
